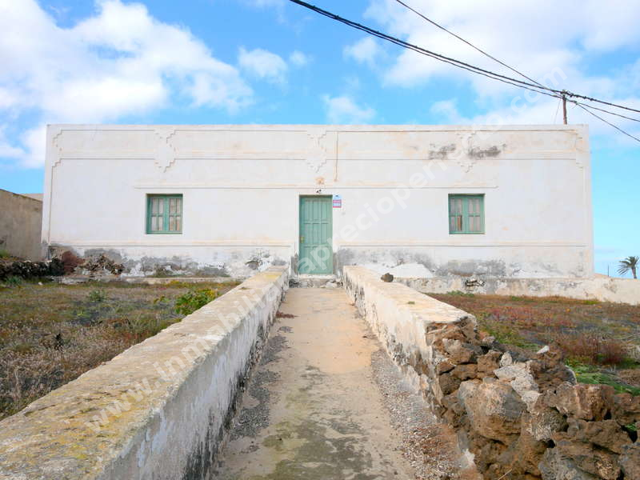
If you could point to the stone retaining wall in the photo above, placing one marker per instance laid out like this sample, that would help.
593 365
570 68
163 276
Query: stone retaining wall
520 417
158 410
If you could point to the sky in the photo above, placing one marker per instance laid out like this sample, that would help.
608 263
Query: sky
274 62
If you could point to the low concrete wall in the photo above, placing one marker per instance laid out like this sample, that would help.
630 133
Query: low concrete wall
406 322
604 289
158 410
20 225
517 415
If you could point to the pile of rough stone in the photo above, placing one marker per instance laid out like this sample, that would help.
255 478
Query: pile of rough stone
524 416
26 269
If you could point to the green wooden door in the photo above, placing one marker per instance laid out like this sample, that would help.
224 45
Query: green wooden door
316 253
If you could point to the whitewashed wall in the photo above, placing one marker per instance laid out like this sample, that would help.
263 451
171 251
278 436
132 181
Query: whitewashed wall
241 188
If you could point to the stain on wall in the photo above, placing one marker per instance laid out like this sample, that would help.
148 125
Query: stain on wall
20 226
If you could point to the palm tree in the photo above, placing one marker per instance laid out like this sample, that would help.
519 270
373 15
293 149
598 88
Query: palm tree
629 263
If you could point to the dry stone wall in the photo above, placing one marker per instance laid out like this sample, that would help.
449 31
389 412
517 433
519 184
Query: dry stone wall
518 417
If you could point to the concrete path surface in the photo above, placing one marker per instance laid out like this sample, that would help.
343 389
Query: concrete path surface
312 409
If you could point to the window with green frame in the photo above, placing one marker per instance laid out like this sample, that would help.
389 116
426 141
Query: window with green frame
164 214
466 214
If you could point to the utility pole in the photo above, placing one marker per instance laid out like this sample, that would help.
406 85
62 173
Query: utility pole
564 107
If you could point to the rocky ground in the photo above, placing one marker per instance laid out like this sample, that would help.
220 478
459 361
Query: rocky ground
600 341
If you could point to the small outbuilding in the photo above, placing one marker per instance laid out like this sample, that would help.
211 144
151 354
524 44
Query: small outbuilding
20 225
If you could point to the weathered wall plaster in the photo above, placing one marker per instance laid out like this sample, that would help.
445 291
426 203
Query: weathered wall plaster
158 410
601 288
241 187
20 225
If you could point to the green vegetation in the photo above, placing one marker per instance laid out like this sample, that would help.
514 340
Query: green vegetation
629 264
504 333
194 299
458 293
97 296
590 375
13 281
4 253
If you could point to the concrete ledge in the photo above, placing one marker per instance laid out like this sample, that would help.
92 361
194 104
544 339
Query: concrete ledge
75 280
405 321
158 410
601 288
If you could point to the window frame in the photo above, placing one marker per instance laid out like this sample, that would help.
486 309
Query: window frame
165 213
465 213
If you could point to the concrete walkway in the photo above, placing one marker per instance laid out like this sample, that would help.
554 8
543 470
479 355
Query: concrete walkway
313 409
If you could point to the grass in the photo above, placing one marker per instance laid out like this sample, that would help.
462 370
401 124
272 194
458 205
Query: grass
591 375
595 337
50 334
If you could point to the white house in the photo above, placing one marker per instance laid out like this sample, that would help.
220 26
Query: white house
412 200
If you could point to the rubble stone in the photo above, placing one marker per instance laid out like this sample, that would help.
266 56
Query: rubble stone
460 353
630 460
586 402
606 433
494 410
595 461
488 363
555 466
543 421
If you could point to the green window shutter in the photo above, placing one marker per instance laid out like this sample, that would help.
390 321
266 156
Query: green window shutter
164 214
466 214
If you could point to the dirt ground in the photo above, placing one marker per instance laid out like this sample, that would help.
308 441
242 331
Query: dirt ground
326 403
51 334
600 340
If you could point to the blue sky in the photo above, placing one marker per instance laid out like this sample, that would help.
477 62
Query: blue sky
269 61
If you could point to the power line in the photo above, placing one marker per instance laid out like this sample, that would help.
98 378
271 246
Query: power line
432 22
535 87
557 109
586 108
467 42
496 76
423 51
605 111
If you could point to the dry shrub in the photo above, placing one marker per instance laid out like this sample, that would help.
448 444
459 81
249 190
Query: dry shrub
531 317
592 349
26 374
51 334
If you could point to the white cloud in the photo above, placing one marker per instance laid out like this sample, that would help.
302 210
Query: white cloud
7 150
263 64
533 37
541 110
299 59
34 141
365 50
120 61
343 109
447 109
